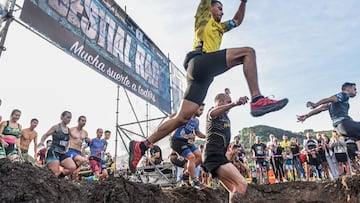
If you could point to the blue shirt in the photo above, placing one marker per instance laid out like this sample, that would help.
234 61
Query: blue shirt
97 147
184 132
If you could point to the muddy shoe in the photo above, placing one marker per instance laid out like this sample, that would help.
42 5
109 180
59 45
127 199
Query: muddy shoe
185 183
265 105
135 155
199 185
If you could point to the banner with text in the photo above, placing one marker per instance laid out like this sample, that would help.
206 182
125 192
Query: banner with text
178 85
102 36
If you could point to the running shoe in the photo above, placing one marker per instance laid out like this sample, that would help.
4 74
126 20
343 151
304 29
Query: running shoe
135 155
185 179
265 105
185 176
198 185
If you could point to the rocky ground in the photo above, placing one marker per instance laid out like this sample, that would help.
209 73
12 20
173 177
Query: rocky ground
23 182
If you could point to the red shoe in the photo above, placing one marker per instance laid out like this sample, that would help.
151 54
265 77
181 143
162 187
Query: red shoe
135 155
265 105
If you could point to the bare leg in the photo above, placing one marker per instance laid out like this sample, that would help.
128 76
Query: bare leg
347 168
234 57
259 104
191 165
326 169
54 167
197 154
104 174
341 168
358 146
186 111
75 174
307 171
232 180
79 160
69 166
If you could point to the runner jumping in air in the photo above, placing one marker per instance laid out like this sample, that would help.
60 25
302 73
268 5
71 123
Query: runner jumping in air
204 63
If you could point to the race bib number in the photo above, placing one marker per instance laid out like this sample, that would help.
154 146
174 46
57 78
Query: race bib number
64 143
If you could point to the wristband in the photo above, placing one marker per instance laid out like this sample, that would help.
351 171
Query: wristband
244 1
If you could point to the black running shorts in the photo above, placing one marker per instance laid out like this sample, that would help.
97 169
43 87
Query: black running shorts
352 128
341 157
53 155
213 158
313 161
174 159
201 70
182 147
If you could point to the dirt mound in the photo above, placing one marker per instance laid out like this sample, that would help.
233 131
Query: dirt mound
345 189
22 182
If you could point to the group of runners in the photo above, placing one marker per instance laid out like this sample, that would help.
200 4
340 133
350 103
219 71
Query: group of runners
204 63
64 153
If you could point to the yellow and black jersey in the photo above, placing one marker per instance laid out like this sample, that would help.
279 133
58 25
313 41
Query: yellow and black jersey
208 32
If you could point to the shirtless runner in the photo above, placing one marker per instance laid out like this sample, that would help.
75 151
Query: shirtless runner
77 136
28 135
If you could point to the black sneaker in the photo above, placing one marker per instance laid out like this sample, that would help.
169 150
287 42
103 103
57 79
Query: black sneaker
185 180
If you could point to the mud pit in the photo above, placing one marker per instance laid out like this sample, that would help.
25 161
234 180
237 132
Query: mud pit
22 182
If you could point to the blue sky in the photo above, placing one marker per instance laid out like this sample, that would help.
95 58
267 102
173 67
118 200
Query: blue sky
305 51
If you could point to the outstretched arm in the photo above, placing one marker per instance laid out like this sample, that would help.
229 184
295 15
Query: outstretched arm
312 105
46 135
197 131
200 135
203 7
239 15
215 112
322 108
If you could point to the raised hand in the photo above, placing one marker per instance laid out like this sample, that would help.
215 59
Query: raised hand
311 105
242 100
301 118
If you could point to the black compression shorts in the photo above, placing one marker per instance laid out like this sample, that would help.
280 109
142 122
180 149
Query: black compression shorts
182 147
352 128
201 70
214 155
174 159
